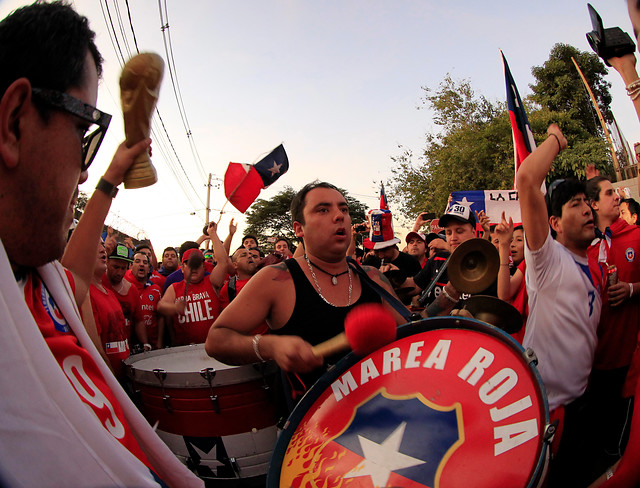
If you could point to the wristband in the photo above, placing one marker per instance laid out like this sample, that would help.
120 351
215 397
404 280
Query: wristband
448 297
256 347
147 345
105 187
557 139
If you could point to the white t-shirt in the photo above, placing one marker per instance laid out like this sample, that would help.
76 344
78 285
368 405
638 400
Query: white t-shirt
564 310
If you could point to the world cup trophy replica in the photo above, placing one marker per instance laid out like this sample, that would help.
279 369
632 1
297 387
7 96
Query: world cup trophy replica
139 90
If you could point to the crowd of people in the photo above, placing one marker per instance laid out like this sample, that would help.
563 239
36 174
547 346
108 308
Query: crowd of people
75 306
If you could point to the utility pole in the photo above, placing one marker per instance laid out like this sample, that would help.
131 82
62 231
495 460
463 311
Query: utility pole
207 210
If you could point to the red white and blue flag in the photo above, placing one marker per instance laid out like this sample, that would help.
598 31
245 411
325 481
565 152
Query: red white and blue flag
523 140
243 182
491 202
383 198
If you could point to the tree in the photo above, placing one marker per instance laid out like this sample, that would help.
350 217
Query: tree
473 148
559 88
271 218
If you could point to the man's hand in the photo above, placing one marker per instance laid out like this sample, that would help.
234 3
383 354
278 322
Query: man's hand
212 229
554 131
438 245
618 293
292 353
626 66
504 231
484 221
181 305
233 227
123 159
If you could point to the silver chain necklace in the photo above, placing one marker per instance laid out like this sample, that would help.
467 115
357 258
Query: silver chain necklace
315 280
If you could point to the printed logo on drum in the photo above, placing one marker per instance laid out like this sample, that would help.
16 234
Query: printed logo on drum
386 439
50 306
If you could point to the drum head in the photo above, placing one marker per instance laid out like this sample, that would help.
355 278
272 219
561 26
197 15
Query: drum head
452 402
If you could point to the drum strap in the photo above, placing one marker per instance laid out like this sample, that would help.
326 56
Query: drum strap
391 300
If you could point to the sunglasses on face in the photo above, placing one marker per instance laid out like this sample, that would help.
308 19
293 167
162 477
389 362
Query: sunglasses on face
88 113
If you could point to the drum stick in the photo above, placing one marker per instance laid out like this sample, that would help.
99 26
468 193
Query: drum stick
368 327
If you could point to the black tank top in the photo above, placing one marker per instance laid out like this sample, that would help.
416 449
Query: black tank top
313 319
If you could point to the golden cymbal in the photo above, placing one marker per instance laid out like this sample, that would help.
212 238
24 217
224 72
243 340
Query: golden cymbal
495 312
473 266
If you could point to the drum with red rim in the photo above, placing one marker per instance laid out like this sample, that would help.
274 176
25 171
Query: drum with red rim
452 402
218 419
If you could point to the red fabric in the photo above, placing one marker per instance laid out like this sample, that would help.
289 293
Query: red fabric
242 185
130 304
157 279
202 308
78 365
110 324
618 327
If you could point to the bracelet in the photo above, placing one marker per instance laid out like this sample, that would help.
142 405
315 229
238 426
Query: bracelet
502 264
448 297
109 188
145 345
634 85
630 290
557 139
256 347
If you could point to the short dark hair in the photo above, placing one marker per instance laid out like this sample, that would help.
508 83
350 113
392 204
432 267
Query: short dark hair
186 245
299 200
170 248
593 187
46 43
560 192
250 236
634 207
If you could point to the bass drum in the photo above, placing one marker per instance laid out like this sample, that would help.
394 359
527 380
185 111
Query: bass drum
219 420
453 402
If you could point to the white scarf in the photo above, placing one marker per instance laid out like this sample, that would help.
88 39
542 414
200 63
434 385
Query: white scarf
48 436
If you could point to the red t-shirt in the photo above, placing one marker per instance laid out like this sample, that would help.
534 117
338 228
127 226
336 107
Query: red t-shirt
111 328
76 363
131 307
202 308
263 328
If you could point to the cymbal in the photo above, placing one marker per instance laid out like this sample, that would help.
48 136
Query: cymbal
473 266
495 312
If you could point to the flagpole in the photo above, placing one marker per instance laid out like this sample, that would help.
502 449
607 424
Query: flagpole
616 165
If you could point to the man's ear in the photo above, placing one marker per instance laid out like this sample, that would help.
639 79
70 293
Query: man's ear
554 222
297 228
594 205
12 110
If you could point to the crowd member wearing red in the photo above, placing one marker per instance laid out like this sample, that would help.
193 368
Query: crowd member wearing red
109 319
150 295
128 296
511 283
618 244
65 419
193 303
154 275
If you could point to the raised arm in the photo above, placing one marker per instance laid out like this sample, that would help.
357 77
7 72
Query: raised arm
530 176
219 273
80 256
233 227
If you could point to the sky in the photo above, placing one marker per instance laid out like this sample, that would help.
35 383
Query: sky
338 82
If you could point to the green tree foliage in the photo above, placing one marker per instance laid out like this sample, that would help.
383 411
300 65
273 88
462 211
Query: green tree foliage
472 148
271 218
559 88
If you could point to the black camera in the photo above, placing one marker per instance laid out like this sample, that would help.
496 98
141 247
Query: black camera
360 227
608 43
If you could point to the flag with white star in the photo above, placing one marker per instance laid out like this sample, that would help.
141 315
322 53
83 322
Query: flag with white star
243 182
491 202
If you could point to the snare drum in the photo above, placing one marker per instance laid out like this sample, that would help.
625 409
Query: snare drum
452 402
218 419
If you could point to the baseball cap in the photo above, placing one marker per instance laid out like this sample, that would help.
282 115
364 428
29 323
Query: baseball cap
191 252
460 213
413 235
431 236
121 252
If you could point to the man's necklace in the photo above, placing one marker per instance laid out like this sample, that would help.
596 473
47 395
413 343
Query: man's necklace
315 280
334 277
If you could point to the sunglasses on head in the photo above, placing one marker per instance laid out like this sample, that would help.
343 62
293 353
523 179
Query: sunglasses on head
64 101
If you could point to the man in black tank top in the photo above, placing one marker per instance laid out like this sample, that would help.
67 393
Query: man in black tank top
303 299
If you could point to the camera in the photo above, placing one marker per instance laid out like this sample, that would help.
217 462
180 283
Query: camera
427 216
608 43
360 227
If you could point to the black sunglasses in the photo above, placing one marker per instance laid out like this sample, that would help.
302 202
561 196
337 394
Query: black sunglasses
63 101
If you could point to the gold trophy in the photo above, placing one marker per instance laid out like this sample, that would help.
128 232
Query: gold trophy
139 90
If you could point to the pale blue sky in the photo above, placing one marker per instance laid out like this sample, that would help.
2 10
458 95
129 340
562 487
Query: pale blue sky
338 82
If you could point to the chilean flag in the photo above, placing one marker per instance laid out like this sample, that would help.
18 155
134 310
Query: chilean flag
243 182
523 140
383 198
